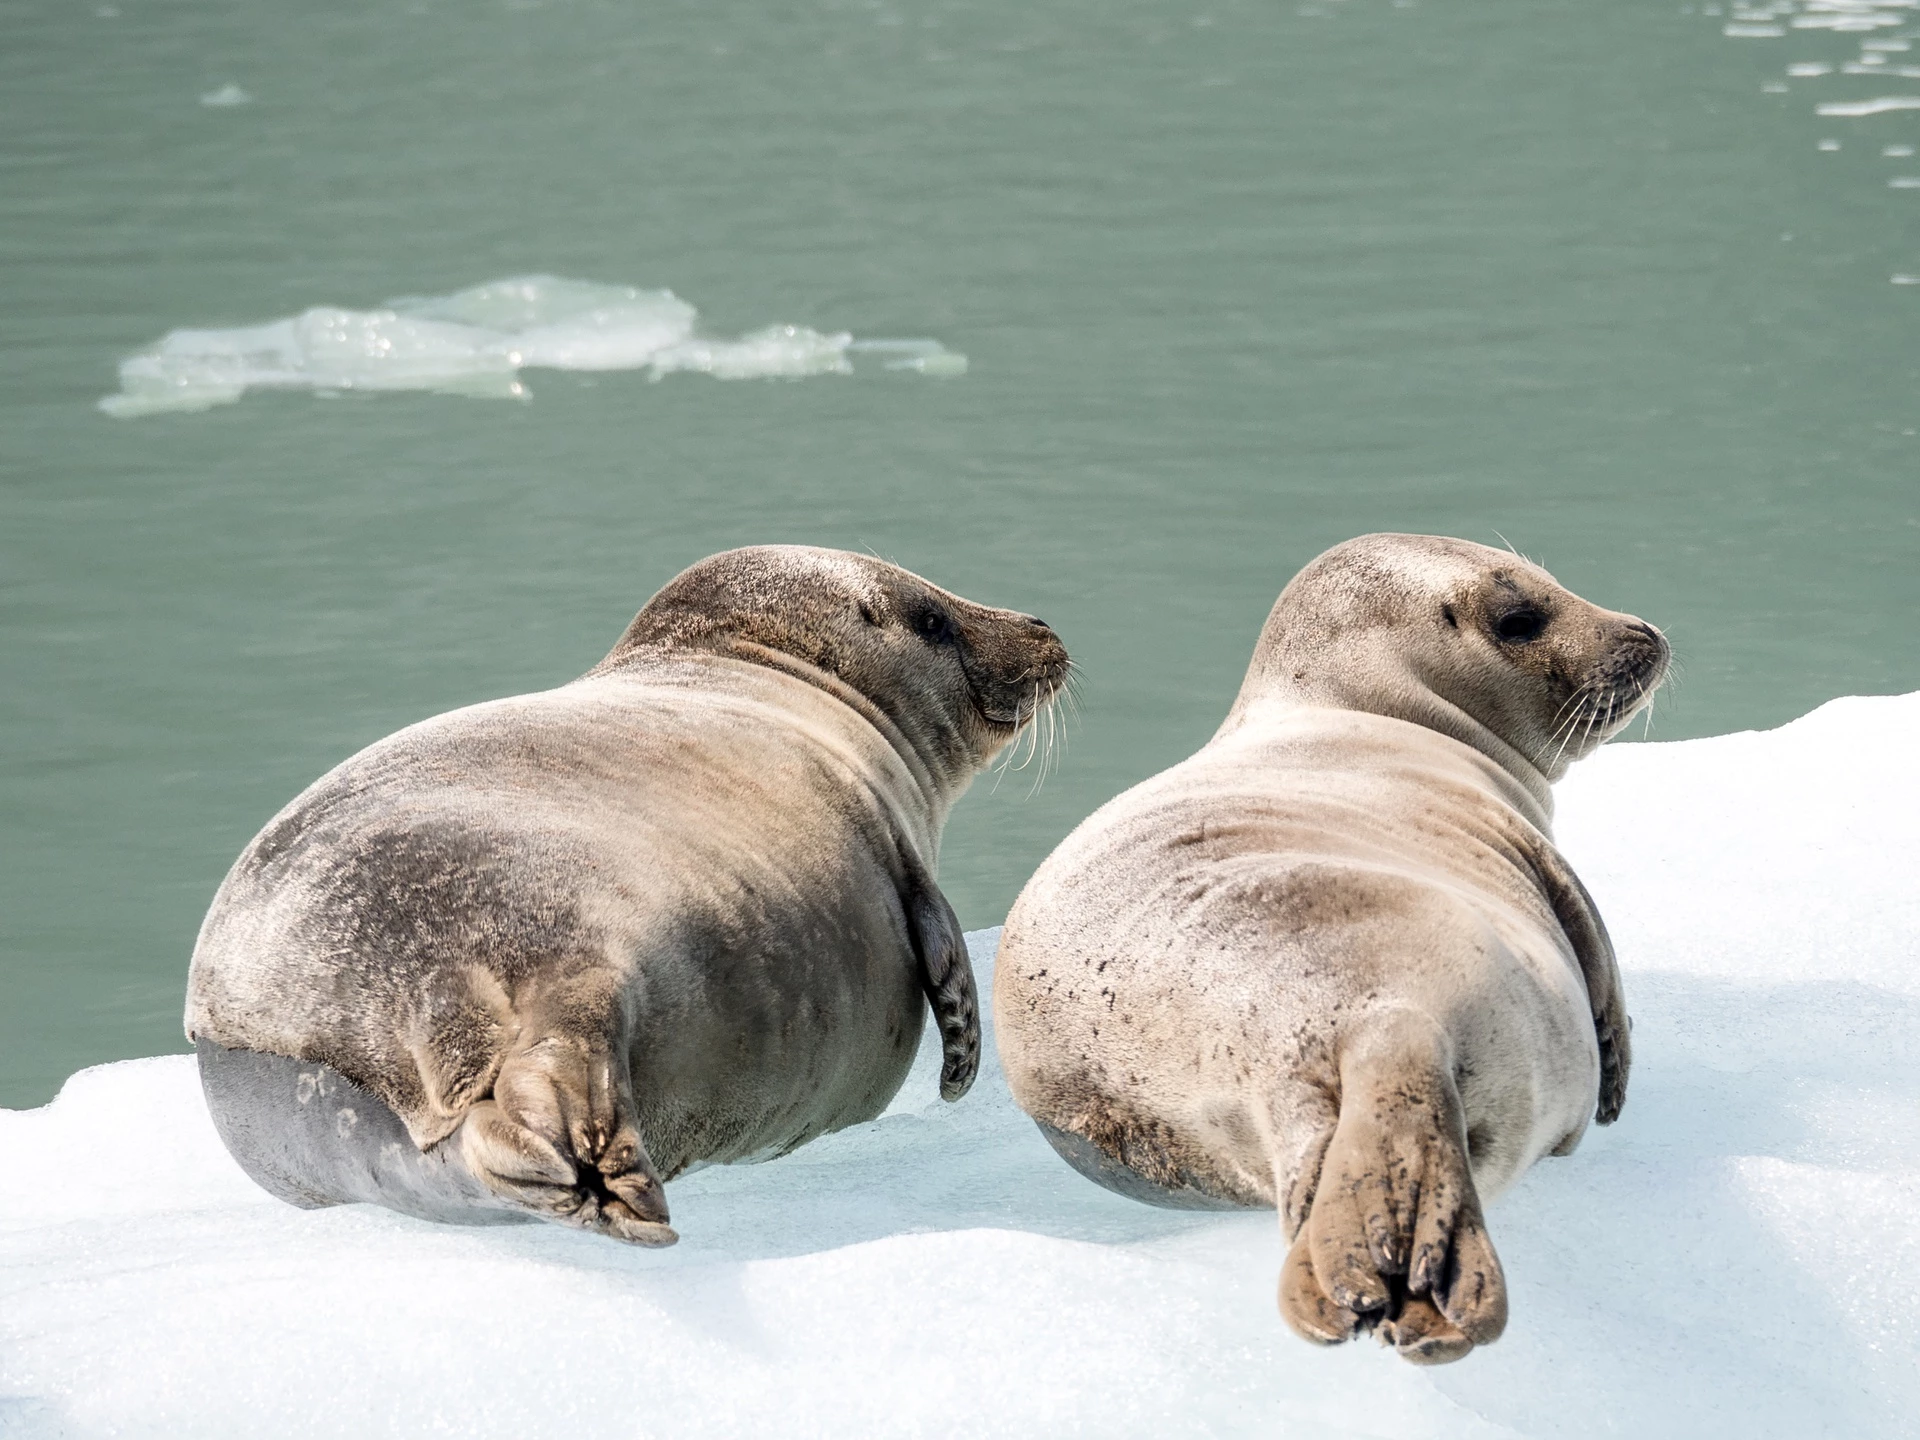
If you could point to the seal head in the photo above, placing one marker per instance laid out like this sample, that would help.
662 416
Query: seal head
953 680
1472 642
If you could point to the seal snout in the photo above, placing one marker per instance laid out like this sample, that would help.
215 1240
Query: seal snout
1015 665
1628 672
1656 643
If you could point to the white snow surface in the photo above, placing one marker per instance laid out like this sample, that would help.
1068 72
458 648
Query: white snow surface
1736 1257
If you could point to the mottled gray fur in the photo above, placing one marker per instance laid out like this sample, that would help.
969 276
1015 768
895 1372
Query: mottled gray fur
681 910
1333 962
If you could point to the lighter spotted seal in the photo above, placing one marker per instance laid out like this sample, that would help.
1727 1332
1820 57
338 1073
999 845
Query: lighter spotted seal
1333 963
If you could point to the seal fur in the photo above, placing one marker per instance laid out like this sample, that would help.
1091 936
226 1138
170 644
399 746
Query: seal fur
682 910
1333 963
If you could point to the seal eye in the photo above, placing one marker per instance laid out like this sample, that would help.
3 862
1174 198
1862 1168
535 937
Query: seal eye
935 627
1516 627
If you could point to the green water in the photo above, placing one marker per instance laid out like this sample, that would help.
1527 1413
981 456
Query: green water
1236 281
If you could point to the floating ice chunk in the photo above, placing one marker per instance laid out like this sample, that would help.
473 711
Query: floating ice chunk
1881 106
1858 7
946 363
557 324
1807 69
787 352
475 342
227 95
323 349
1896 152
1904 182
928 357
1905 279
1844 23
522 302
1753 32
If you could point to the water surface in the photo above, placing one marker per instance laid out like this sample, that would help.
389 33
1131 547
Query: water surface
1234 281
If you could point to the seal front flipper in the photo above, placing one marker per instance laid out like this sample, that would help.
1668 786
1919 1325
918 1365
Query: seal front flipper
1580 919
946 974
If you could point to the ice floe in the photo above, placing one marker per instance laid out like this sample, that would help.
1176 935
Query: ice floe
1737 1256
477 342
1882 105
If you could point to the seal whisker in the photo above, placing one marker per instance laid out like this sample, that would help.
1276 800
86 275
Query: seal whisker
1049 753
1580 722
1577 697
1512 549
1046 752
1024 737
1572 710
1006 759
1033 729
1056 732
1067 693
1571 723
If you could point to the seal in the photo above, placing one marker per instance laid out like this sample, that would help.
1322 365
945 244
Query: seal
1332 963
536 957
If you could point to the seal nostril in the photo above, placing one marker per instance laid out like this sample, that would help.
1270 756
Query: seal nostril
1649 644
1036 620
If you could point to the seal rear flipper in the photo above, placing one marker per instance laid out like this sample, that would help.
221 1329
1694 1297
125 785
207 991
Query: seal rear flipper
946 974
559 1135
1395 1217
308 1135
463 1026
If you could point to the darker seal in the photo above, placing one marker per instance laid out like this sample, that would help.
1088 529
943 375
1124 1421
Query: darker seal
538 956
